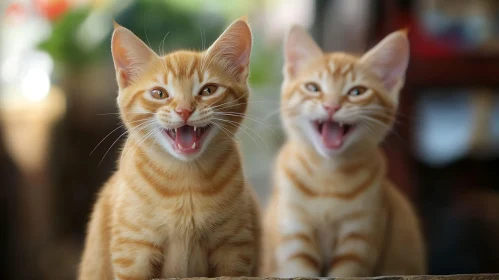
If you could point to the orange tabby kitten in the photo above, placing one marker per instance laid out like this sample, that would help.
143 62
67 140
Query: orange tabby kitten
178 205
333 211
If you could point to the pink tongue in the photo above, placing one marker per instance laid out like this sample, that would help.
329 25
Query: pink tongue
332 135
186 136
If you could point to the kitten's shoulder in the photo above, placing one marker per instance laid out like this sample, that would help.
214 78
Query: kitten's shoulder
109 186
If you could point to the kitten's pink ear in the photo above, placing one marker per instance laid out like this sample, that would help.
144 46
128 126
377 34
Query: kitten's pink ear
131 56
299 49
233 48
389 59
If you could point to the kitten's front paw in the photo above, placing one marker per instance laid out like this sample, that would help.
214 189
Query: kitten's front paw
349 270
297 271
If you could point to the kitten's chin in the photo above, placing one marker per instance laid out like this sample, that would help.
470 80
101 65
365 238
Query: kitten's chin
186 142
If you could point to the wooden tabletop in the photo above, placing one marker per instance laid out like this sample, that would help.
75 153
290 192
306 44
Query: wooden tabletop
420 277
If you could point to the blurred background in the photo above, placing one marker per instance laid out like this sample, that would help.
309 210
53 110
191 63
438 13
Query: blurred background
58 93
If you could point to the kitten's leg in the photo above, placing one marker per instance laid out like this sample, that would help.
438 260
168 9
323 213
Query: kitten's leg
133 254
356 249
236 255
297 254
95 262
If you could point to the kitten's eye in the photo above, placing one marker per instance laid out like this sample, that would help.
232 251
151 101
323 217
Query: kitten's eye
356 91
159 93
208 90
313 87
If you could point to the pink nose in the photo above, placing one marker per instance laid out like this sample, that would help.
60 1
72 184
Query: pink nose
184 113
331 109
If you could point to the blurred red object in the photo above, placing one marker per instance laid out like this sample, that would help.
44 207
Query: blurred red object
52 9
15 12
423 44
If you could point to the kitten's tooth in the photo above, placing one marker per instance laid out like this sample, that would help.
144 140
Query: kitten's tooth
195 128
180 146
193 145
175 131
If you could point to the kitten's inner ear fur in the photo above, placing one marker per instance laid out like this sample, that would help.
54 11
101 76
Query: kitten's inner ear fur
233 48
389 60
131 56
299 49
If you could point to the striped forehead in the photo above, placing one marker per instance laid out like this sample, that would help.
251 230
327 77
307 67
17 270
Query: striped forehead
181 66
181 72
334 75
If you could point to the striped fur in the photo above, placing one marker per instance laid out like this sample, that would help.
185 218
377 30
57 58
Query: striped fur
167 214
333 212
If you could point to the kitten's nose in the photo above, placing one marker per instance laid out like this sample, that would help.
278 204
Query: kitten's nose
331 109
184 113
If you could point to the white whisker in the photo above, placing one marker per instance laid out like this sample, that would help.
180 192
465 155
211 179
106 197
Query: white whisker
238 104
143 125
249 118
145 120
229 102
245 126
381 124
369 131
225 130
143 139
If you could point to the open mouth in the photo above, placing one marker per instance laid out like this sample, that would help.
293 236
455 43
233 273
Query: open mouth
332 133
187 139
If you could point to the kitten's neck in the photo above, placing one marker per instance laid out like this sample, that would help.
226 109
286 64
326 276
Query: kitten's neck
214 153
346 169
361 154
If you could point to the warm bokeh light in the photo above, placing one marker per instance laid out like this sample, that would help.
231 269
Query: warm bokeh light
35 85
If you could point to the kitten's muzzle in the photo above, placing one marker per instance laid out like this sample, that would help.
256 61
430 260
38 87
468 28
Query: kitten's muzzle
187 139
331 109
331 133
184 113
